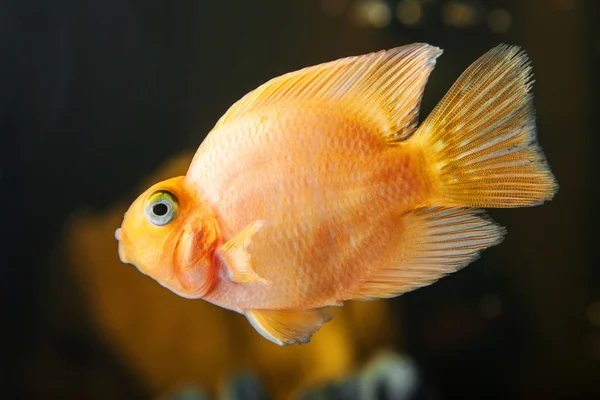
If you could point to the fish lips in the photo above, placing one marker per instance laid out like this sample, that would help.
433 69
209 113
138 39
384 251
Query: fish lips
124 255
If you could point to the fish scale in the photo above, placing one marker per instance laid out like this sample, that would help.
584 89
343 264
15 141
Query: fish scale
316 213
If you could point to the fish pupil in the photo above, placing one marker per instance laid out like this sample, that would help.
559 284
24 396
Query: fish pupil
160 209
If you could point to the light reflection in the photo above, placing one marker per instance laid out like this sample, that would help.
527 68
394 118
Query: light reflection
374 13
592 313
409 12
460 15
499 20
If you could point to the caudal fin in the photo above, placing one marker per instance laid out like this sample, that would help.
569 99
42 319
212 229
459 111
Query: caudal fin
480 140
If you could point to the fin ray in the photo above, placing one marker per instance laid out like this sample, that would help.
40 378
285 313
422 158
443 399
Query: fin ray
236 257
436 241
287 327
384 87
480 140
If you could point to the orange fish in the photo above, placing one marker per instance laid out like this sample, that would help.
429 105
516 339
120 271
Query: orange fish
320 187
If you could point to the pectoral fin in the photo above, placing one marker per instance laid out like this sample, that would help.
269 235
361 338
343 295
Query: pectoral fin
286 327
236 257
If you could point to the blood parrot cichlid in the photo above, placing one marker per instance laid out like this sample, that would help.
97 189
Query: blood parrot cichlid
320 187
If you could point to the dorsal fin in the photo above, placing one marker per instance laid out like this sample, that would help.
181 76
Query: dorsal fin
384 87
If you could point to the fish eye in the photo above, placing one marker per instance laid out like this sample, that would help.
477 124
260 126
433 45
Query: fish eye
161 208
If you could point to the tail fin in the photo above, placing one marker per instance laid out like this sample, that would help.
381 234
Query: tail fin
480 140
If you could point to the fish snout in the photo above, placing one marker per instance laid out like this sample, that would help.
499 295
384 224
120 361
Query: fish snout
124 255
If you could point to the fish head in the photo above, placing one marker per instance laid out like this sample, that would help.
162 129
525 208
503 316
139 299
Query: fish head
169 235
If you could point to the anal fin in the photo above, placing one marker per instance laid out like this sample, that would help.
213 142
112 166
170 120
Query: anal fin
286 327
435 241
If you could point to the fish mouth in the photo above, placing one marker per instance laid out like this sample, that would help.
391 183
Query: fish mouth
124 255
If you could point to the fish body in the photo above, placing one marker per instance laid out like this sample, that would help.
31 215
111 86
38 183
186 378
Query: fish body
319 187
332 206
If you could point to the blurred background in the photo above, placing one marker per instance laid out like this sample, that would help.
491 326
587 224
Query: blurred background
99 99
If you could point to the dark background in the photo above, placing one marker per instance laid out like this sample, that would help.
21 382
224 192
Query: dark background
94 95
